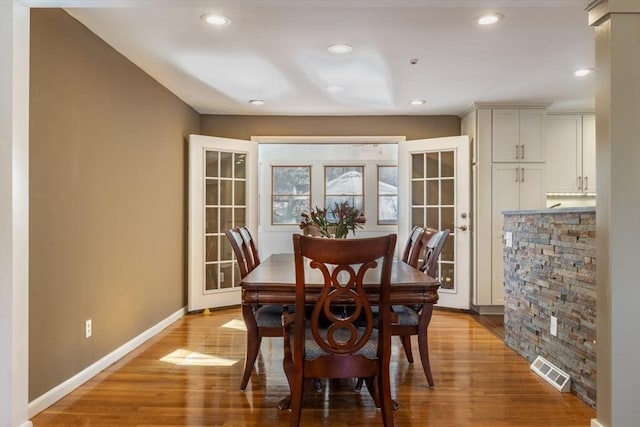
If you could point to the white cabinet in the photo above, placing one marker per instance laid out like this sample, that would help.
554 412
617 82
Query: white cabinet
515 186
518 135
570 149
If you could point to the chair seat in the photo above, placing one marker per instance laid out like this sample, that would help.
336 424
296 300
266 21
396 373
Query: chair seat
313 350
269 316
407 316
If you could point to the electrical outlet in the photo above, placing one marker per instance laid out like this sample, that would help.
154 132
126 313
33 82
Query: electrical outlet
222 277
554 326
87 328
508 239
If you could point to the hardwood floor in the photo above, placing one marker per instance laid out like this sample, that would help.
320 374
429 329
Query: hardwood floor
189 375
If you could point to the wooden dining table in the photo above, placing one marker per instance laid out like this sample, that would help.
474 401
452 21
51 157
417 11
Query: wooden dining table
273 281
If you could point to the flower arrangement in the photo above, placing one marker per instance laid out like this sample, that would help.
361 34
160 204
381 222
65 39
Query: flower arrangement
346 218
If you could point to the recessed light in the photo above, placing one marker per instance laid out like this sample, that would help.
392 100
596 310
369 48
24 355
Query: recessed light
490 18
583 72
339 48
216 19
418 102
335 88
257 102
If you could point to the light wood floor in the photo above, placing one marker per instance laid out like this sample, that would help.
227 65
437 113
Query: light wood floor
189 374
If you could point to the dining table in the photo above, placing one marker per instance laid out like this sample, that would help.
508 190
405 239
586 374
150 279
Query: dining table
273 281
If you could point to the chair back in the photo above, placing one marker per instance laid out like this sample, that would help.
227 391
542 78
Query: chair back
240 250
253 260
343 264
433 249
413 247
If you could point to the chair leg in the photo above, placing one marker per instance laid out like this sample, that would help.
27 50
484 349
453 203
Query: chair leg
423 345
253 344
386 403
358 385
297 392
372 386
406 344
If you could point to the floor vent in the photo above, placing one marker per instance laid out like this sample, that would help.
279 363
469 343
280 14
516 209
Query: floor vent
553 375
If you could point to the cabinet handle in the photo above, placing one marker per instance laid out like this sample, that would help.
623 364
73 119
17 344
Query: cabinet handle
517 152
579 183
522 175
522 152
517 174
586 183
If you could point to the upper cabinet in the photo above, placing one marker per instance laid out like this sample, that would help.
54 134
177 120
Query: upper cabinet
570 147
518 135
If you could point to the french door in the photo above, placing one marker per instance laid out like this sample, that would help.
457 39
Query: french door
434 191
222 194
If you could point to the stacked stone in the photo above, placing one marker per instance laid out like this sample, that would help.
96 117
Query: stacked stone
550 270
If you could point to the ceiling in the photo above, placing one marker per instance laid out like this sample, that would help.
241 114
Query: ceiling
275 50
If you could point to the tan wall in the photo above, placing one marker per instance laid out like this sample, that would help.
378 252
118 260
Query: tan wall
413 127
107 198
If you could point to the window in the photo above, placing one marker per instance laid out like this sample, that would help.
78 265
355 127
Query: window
291 193
344 184
387 195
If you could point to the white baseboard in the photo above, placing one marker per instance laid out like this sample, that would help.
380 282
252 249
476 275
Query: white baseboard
596 423
52 396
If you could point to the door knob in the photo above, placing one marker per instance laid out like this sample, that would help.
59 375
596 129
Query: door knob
462 227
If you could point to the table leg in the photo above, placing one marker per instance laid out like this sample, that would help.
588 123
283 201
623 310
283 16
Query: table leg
423 345
253 343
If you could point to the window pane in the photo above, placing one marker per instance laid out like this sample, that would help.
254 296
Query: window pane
388 209
226 165
240 194
446 274
417 193
211 161
354 201
294 180
433 193
448 191
447 250
433 165
211 248
433 218
226 277
342 180
211 220
240 217
211 192
211 277
287 209
226 253
417 166
226 188
446 164
448 219
226 219
240 165
417 217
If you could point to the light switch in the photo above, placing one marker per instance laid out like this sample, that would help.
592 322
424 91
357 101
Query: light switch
508 239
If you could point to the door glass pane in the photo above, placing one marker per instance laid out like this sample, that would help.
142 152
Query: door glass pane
433 165
225 199
448 191
211 164
211 220
226 192
447 166
433 193
435 208
211 252
226 165
417 193
417 166
240 165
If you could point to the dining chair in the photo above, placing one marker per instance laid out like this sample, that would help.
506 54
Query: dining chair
268 318
327 344
409 320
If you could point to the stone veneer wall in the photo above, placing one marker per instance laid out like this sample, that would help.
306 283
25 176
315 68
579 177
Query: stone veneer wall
551 270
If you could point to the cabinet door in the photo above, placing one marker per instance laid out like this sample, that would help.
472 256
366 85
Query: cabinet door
589 153
532 130
505 196
563 140
506 135
532 194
